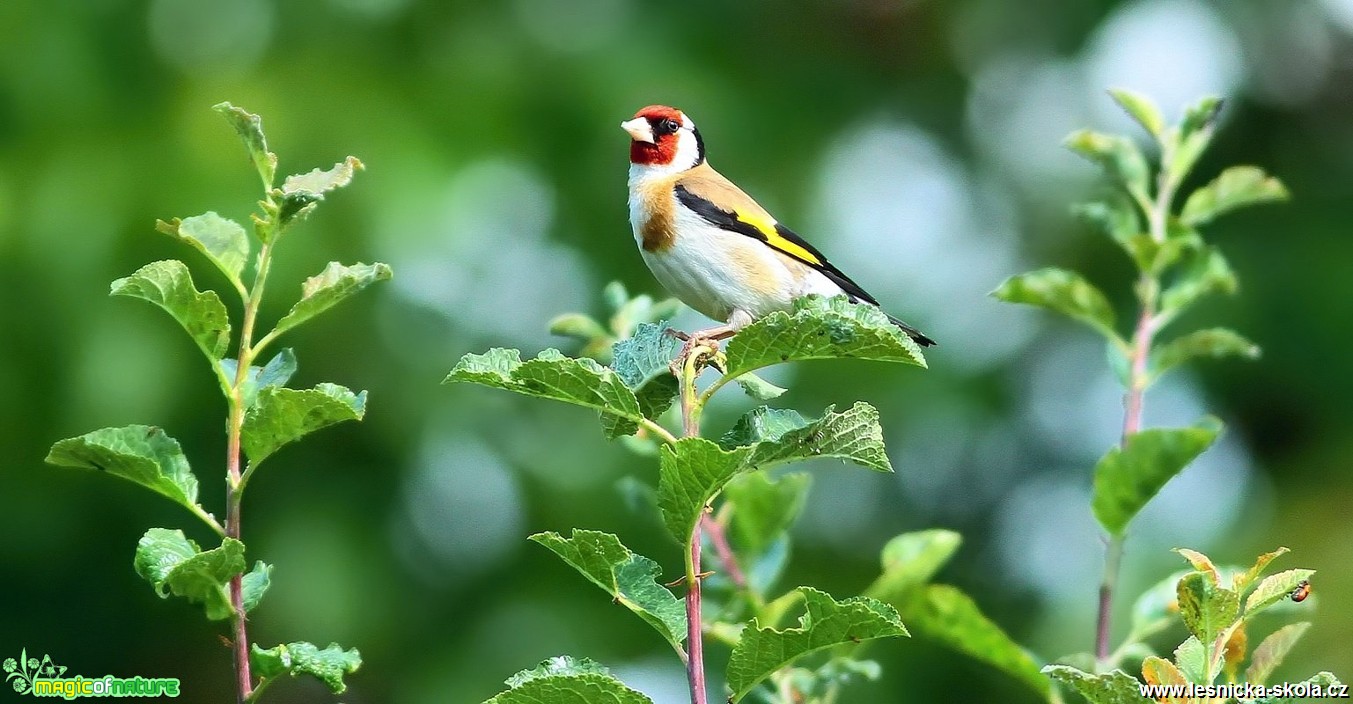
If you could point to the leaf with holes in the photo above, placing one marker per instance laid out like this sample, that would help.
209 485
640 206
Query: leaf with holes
1207 609
826 623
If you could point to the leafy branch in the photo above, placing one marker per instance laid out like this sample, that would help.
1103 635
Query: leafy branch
262 413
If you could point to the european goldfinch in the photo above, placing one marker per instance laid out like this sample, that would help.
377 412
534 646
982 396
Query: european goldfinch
708 243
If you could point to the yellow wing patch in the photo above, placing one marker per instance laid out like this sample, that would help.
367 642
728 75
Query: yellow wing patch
766 226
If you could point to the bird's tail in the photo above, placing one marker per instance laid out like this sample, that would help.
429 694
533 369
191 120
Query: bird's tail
913 333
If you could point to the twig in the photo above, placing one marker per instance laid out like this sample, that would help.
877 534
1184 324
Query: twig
719 537
690 424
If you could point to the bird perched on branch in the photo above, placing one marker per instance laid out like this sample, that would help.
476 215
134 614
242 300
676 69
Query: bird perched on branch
708 243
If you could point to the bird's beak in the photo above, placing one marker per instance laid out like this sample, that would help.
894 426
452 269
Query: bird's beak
639 129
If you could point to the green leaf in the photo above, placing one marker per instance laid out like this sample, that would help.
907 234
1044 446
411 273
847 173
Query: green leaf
1201 563
1208 273
1140 108
255 584
1236 187
643 362
1115 687
1271 652
140 453
1243 580
581 382
1213 342
277 372
820 328
173 564
283 415
1207 609
1128 477
764 508
558 666
945 614
630 579
690 474
301 192
758 388
910 560
826 623
1118 156
1193 135
577 325
250 129
1064 292
223 240
168 285
1191 657
300 658
563 680
330 287
1273 589
694 470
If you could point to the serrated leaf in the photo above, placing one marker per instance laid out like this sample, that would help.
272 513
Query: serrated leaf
1274 588
581 382
1118 156
1305 690
643 362
1140 108
1161 672
283 415
255 584
1201 563
691 473
1208 273
320 181
140 453
1064 292
1272 650
173 564
1115 687
630 579
329 665
1127 478
826 623
910 560
854 435
587 688
764 508
1213 342
329 288
1236 187
1243 580
250 129
222 240
1207 609
277 372
168 285
1191 657
945 614
558 666
820 328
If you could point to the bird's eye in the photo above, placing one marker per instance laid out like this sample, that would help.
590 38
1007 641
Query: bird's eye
669 126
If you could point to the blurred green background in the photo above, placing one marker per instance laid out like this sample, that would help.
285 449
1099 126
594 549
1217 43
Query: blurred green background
916 142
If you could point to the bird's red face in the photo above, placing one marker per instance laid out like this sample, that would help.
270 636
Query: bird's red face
662 136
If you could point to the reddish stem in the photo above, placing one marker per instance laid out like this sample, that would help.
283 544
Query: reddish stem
719 537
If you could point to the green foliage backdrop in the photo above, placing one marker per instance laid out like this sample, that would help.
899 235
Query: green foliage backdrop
917 142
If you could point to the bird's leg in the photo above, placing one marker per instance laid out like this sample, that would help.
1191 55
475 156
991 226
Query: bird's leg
709 337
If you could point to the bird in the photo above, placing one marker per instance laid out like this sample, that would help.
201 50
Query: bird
709 243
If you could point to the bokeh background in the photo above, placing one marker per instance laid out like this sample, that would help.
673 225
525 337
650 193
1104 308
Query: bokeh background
916 141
